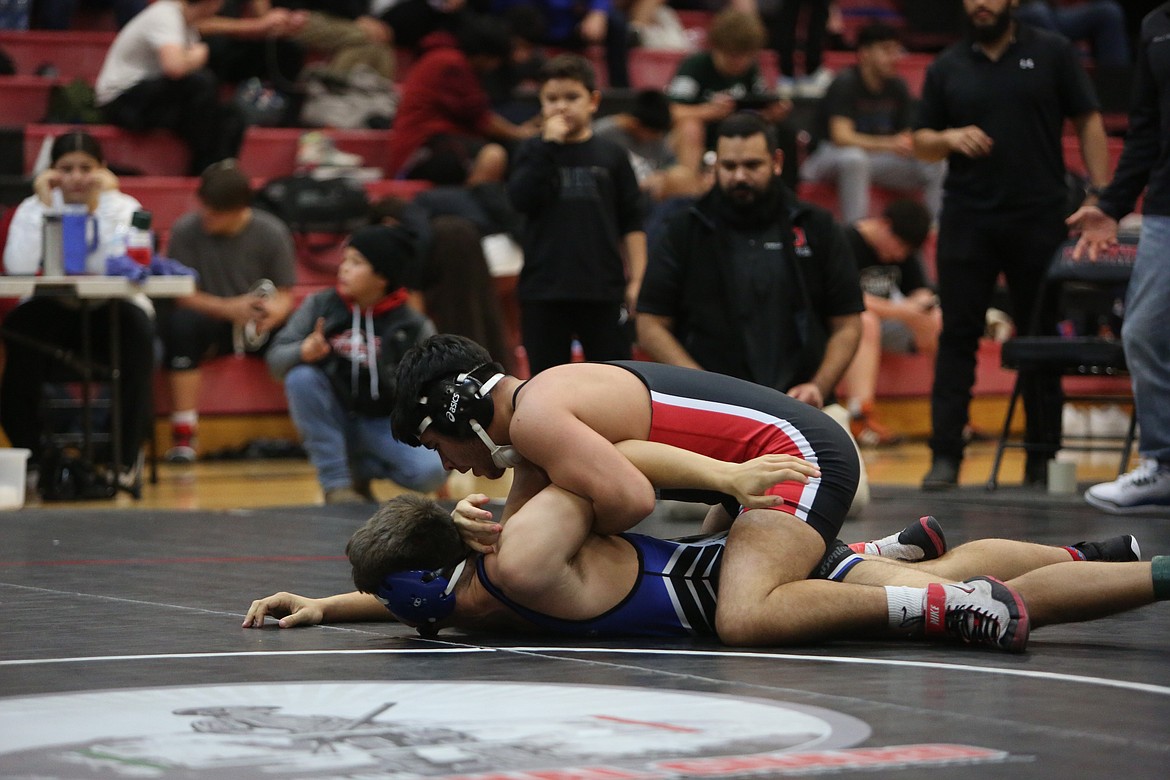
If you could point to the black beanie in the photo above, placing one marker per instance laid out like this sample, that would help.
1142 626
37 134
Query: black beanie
391 250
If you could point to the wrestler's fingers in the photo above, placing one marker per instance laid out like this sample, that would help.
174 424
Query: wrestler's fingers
260 609
301 616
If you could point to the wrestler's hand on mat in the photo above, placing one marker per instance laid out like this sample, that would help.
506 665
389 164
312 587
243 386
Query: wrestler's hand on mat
290 610
750 481
476 527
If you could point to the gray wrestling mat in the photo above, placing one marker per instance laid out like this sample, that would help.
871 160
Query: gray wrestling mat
122 656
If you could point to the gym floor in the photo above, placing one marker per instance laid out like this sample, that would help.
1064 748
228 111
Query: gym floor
122 656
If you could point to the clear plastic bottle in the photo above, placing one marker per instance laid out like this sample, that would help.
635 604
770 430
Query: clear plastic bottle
140 239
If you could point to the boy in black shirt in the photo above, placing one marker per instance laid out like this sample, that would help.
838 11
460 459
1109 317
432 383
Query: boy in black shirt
581 199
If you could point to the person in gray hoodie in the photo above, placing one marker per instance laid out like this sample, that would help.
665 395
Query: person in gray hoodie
337 356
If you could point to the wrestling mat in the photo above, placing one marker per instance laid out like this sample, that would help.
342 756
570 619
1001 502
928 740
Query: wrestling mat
122 656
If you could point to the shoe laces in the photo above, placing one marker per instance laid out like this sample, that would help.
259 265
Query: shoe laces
973 624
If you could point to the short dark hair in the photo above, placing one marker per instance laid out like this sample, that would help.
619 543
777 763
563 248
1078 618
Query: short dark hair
569 66
745 124
909 221
876 32
439 357
652 110
408 532
224 186
75 141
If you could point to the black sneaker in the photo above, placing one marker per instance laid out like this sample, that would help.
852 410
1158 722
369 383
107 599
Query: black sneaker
943 475
1117 549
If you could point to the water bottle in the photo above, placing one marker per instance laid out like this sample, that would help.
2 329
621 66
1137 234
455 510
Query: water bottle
140 239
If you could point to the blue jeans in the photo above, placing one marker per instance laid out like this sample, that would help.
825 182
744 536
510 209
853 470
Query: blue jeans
345 447
1101 22
1144 334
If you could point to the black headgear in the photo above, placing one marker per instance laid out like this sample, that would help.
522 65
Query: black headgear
451 403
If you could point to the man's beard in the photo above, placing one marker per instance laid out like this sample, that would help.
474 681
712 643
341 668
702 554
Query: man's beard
744 206
744 197
990 33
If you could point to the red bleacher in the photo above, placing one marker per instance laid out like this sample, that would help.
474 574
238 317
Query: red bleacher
267 152
72 53
24 99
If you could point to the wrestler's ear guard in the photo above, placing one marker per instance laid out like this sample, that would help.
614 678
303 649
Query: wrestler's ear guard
451 404
462 407
420 597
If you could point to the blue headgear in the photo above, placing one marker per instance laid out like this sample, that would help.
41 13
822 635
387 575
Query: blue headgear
420 597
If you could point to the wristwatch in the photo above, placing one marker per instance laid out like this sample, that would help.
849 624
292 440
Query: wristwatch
1094 191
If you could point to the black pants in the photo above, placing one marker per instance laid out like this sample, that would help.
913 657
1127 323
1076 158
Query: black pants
190 107
547 329
973 249
189 337
28 368
783 34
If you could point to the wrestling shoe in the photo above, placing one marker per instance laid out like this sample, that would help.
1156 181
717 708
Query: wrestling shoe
922 540
182 444
979 611
1145 489
1116 549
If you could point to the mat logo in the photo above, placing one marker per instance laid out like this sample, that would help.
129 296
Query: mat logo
464 731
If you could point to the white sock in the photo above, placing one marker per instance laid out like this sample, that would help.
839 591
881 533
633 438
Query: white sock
904 607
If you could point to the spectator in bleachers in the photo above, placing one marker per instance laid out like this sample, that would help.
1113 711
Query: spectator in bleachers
247 267
576 26
1100 23
864 127
77 176
337 357
58 14
752 283
342 29
155 76
901 310
994 106
445 125
455 287
244 43
709 85
645 133
584 245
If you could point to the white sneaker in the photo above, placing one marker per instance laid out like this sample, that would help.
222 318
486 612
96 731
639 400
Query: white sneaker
317 149
814 87
785 87
1145 489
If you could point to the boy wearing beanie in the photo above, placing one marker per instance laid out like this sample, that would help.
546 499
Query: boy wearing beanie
337 356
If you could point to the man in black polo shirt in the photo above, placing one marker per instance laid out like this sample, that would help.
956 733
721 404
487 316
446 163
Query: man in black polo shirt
994 105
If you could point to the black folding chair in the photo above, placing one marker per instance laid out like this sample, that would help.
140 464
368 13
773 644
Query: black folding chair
1089 298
